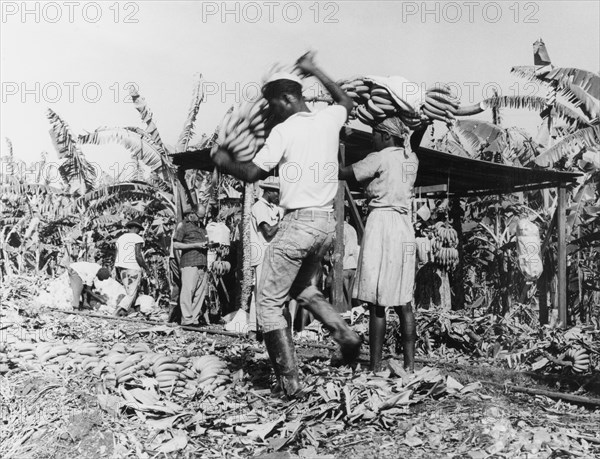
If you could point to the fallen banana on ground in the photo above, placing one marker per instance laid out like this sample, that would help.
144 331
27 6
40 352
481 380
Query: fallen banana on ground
125 364
580 359
211 369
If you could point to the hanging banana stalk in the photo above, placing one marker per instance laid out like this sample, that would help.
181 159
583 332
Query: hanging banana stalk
246 267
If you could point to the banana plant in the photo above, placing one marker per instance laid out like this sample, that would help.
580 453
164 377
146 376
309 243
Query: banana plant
76 171
572 96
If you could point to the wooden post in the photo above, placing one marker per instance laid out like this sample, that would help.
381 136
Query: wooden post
338 251
247 271
356 217
456 213
562 255
542 286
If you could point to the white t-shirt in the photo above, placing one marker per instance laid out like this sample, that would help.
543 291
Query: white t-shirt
86 270
126 251
306 148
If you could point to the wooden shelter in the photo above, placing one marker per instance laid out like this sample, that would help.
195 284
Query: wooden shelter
440 174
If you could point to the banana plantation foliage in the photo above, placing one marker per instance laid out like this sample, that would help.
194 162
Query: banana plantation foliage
80 216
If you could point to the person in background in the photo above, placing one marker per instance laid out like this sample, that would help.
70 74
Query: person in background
81 277
129 263
191 239
386 267
265 222
174 282
351 253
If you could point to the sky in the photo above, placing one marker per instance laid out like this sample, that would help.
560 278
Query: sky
78 57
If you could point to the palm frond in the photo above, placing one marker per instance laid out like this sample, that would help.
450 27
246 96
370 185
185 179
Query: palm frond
108 220
582 100
136 140
29 188
61 135
588 81
10 148
110 197
521 148
142 107
75 169
476 134
538 104
571 144
157 181
188 128
530 72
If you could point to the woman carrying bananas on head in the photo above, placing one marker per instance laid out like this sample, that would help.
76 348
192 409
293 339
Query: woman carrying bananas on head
386 265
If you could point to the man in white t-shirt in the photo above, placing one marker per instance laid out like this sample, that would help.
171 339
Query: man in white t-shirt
265 220
82 275
129 263
305 148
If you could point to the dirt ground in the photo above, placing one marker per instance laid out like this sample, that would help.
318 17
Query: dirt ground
62 412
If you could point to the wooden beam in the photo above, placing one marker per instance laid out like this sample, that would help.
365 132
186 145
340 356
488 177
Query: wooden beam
562 255
431 189
338 251
360 226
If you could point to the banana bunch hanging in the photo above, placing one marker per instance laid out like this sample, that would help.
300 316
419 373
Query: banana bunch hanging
220 267
443 246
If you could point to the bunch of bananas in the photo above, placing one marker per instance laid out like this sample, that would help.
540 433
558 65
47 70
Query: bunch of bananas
443 246
357 89
579 357
213 371
440 104
170 372
51 352
373 103
25 351
220 267
243 131
87 356
123 364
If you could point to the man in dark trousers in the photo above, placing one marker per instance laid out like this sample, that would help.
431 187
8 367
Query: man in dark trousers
305 147
190 237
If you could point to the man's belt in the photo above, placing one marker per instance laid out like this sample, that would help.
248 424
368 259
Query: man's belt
309 213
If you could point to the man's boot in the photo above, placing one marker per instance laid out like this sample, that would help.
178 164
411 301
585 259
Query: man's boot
314 301
283 358
408 329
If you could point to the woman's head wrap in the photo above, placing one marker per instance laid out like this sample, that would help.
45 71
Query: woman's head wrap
393 126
